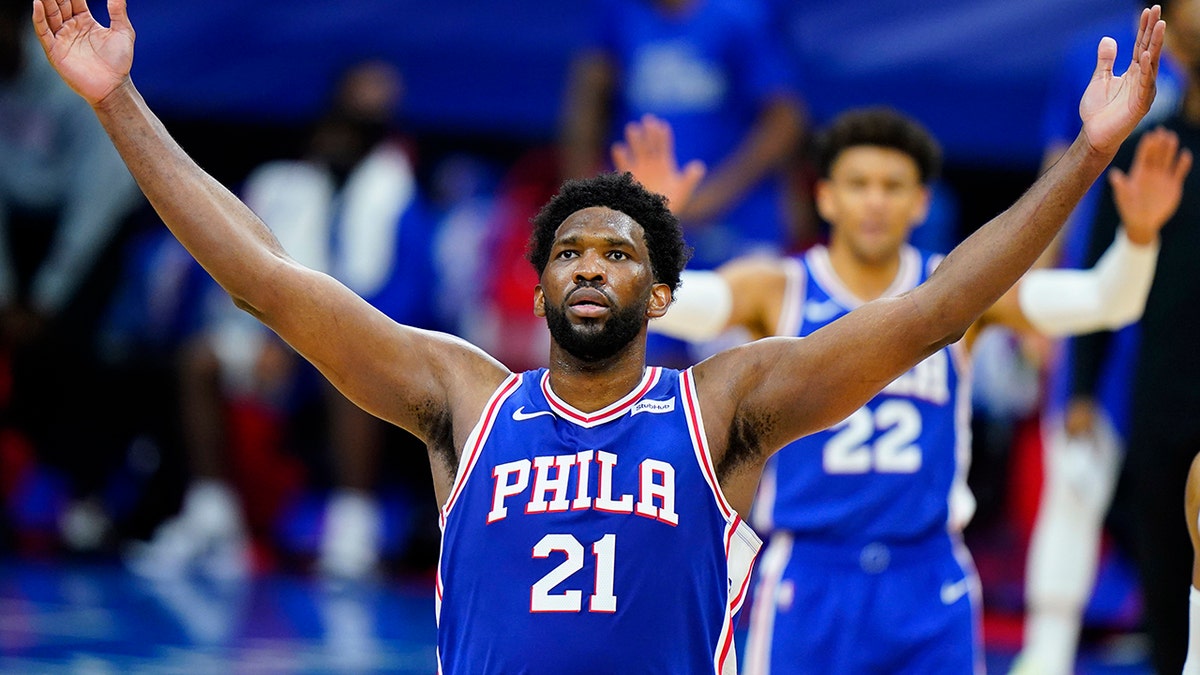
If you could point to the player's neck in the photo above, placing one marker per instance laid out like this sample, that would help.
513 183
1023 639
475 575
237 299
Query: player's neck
866 278
592 385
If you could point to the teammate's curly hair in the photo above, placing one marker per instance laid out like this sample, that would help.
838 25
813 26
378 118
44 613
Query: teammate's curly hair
620 192
883 127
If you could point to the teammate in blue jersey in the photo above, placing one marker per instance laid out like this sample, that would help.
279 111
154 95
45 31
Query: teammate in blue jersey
591 512
864 571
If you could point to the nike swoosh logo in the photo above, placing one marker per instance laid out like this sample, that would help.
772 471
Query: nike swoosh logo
952 591
520 415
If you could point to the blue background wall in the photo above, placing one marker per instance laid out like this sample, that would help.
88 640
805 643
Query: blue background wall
975 71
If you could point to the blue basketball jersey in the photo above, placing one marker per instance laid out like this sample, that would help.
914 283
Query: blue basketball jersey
596 542
888 472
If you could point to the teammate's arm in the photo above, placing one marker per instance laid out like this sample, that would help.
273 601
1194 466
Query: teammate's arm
776 390
396 372
1111 294
745 292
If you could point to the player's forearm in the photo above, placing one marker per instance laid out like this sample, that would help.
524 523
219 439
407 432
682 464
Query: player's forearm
982 268
225 236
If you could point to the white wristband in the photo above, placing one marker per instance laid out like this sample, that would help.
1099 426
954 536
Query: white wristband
702 307
1110 295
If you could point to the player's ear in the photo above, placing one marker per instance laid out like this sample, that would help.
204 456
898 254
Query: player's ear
660 300
823 198
539 301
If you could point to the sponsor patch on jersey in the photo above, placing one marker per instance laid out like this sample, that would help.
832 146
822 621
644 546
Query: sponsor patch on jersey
654 406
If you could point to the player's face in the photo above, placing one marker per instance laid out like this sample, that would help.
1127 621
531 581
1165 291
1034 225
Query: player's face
598 289
872 200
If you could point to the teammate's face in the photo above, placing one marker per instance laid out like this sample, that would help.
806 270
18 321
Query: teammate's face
598 289
872 200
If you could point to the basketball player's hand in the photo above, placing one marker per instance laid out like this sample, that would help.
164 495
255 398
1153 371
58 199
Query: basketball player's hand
92 59
1112 105
648 152
1148 195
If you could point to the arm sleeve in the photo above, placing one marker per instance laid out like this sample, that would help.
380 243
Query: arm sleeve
702 307
1110 295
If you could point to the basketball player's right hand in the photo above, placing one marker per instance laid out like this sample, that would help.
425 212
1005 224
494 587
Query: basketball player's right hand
92 59
1112 105
1080 418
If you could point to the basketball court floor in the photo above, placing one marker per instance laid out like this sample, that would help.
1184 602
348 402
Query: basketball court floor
88 618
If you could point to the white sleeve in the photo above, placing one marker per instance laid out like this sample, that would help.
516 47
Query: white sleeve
1112 294
701 310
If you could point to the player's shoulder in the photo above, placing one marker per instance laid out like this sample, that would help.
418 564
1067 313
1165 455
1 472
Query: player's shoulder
757 268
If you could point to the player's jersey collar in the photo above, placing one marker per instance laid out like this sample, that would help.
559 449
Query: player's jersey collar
650 377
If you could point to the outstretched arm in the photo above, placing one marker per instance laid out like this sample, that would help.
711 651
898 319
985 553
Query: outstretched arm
1111 294
777 390
407 376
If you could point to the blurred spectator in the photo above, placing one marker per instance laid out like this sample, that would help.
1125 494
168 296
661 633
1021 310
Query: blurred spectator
1080 472
351 208
65 199
1164 428
714 71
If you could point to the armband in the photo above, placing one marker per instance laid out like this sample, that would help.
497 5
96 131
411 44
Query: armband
701 310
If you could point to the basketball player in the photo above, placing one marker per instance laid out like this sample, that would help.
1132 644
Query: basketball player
591 511
884 491
1192 509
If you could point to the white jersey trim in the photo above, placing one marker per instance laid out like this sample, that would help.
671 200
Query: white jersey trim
691 411
907 276
466 462
760 639
477 439
791 314
608 413
741 542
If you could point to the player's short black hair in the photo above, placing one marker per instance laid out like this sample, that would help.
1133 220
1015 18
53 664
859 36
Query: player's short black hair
883 127
619 192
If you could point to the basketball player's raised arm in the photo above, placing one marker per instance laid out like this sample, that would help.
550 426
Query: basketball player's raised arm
396 372
1112 294
787 388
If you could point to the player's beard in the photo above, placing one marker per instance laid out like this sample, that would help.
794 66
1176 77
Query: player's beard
594 340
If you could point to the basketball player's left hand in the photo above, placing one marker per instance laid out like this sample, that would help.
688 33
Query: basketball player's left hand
1149 194
1113 105
648 152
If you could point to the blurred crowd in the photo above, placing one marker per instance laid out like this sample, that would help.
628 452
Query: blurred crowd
143 416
